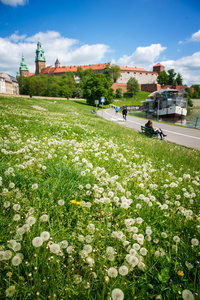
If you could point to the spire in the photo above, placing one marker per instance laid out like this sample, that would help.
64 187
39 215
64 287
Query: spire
23 65
57 63
39 52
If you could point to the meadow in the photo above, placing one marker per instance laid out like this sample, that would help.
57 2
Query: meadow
93 210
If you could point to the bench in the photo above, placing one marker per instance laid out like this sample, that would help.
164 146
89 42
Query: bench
149 131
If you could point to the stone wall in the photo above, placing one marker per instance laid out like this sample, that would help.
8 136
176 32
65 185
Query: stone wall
141 77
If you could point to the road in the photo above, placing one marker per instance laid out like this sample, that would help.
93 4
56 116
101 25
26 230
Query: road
184 136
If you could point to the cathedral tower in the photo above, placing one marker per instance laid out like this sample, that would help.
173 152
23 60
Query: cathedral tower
40 62
23 69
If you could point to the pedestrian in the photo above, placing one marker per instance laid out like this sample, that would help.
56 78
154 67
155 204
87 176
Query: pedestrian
149 124
124 113
116 109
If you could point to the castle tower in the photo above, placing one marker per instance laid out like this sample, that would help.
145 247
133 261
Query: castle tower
40 61
158 68
57 63
23 69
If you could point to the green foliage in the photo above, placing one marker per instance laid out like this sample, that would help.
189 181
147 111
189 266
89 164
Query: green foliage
119 93
96 86
133 86
115 73
170 78
196 93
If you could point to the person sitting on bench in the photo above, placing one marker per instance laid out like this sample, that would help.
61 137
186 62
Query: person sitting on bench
149 124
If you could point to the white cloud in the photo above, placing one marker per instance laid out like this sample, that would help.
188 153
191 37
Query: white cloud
195 37
188 67
142 56
14 2
68 51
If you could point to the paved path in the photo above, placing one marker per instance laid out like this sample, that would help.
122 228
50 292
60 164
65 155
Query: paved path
188 137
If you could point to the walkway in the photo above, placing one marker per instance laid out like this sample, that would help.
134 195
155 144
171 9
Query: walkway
187 137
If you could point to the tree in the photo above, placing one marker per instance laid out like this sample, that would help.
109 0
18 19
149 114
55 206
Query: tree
179 79
119 93
115 73
133 86
171 76
163 78
96 86
107 71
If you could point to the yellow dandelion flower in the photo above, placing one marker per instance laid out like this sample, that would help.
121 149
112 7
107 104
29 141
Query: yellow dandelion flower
180 273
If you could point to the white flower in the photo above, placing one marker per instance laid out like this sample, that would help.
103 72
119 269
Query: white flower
136 246
133 260
143 251
16 217
44 218
88 248
61 202
70 249
117 294
187 295
30 221
16 261
112 272
123 270
11 185
6 204
10 291
35 186
37 241
90 261
7 255
64 244
55 248
139 220
194 242
176 239
16 207
83 253
45 235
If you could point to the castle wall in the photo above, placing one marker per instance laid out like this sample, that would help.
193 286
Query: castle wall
141 77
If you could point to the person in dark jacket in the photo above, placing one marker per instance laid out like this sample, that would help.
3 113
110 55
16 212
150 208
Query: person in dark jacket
124 113
149 124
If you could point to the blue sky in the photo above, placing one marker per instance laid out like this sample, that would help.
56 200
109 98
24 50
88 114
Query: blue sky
127 33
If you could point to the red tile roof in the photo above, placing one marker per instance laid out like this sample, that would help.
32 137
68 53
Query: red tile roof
65 69
132 69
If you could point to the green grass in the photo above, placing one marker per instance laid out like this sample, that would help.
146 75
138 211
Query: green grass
98 185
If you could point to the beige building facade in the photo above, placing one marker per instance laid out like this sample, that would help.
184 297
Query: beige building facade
8 84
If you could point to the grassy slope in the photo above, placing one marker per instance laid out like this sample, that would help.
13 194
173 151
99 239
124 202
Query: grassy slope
74 122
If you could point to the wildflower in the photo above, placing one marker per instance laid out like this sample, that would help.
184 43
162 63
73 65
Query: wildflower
77 279
10 291
194 242
64 244
30 221
6 204
180 273
136 246
117 294
35 186
45 235
83 253
112 272
176 239
16 261
187 295
16 217
143 251
70 249
139 220
16 207
11 185
123 270
188 265
37 241
90 261
55 248
7 255
61 202
26 227
88 248
44 218
133 260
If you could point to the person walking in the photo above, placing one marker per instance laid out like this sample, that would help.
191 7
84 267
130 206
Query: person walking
124 113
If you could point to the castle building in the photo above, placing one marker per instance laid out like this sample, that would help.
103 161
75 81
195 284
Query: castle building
8 85
147 80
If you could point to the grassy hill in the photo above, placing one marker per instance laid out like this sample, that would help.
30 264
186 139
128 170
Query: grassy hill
93 210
